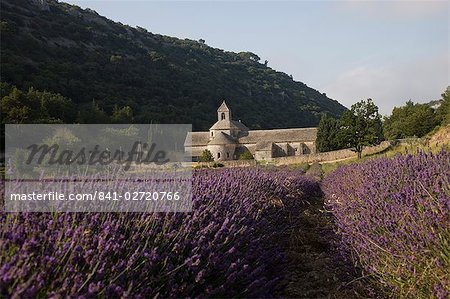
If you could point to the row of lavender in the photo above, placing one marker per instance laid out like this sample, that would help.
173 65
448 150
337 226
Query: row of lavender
225 247
394 215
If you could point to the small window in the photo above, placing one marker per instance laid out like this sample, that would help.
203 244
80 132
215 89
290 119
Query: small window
212 133
228 155
218 155
222 117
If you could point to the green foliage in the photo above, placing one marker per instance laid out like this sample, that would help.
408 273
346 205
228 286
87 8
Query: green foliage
206 156
250 56
63 137
411 120
92 114
86 57
34 106
122 115
328 138
300 166
246 156
443 111
361 126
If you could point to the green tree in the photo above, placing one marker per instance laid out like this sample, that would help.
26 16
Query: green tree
92 114
34 106
53 108
122 115
361 126
443 111
15 108
250 56
411 120
5 89
206 156
116 60
247 155
328 134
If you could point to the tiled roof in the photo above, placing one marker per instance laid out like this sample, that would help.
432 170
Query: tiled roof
264 146
196 139
240 125
224 125
280 135
221 139
255 136
227 125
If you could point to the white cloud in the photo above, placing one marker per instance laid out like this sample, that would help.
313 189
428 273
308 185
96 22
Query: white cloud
392 85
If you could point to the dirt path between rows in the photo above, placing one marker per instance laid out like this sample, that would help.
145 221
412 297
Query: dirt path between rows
317 268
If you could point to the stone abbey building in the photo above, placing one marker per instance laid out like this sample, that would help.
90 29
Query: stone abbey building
228 139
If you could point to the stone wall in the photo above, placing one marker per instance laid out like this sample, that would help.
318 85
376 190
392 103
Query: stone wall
309 158
329 156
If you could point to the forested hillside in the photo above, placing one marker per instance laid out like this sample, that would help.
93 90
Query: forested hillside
101 65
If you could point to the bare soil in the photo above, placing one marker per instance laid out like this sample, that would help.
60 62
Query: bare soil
318 267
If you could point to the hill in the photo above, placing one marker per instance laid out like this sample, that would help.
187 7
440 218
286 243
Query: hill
440 137
85 57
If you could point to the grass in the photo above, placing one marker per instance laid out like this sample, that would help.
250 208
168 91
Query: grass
302 166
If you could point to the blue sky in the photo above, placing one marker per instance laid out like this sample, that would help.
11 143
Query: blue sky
390 51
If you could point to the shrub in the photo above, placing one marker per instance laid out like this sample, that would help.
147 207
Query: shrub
247 155
206 156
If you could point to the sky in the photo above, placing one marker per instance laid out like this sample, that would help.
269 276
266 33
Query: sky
390 51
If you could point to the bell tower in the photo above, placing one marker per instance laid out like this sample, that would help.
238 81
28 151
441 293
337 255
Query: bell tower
223 113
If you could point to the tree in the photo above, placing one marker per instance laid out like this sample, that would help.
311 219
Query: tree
123 115
361 126
206 156
328 134
92 114
411 120
443 111
34 106
115 60
15 107
247 155
249 56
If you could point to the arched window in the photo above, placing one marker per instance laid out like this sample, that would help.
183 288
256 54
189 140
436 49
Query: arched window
222 116
228 155
218 155
212 133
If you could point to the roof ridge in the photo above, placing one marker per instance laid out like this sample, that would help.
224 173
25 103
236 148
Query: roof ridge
223 107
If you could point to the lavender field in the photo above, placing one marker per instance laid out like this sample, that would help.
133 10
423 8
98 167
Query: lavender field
230 245
252 233
394 216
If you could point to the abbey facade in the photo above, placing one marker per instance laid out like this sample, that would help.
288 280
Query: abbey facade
228 139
